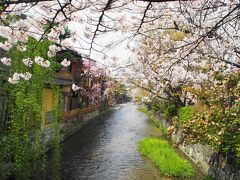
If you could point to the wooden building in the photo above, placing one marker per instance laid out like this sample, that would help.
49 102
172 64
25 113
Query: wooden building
73 103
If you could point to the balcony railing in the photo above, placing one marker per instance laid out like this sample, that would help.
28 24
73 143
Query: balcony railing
68 115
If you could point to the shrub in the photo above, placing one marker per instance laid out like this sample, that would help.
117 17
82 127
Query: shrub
215 128
144 110
170 111
165 157
218 124
158 106
186 113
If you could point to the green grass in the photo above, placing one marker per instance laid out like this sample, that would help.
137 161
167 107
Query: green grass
165 157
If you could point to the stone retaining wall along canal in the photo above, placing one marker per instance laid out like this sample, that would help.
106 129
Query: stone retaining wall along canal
74 124
218 165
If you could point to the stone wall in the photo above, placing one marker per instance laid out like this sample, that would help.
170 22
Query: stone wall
224 167
218 165
74 125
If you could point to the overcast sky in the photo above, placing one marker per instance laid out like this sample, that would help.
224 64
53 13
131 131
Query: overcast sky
117 57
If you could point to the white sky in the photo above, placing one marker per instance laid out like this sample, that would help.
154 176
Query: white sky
117 57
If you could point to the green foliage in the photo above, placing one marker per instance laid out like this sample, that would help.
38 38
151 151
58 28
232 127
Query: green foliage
49 25
186 113
218 125
170 111
222 94
166 108
12 18
64 54
214 120
5 168
153 120
147 112
2 39
165 157
157 106
216 129
67 33
56 136
27 146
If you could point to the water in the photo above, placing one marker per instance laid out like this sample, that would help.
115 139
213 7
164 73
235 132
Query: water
106 149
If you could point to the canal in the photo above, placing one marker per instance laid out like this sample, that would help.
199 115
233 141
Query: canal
106 149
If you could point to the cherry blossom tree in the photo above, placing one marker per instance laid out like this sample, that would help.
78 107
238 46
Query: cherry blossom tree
177 43
211 24
180 40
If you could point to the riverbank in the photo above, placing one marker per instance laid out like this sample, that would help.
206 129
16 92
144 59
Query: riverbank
165 158
197 173
218 165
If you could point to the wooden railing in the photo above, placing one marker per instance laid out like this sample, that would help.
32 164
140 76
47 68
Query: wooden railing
86 110
68 115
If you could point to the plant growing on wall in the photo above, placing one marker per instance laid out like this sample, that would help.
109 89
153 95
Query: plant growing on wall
29 76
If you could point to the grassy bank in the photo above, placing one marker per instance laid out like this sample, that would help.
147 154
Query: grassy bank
153 120
165 158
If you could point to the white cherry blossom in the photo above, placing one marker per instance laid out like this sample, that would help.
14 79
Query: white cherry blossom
20 35
28 62
6 61
38 60
6 46
16 76
65 62
22 48
51 54
54 48
75 87
26 76
12 81
45 64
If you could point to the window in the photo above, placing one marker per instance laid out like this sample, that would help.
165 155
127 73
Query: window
48 117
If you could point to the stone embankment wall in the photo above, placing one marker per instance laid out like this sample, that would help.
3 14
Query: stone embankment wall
218 165
75 124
